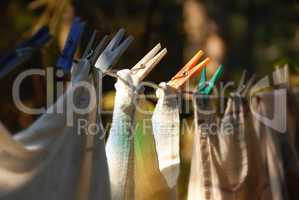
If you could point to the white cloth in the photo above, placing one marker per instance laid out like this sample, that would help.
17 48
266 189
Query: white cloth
166 129
120 143
51 160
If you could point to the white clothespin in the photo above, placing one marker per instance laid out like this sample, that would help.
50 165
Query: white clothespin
147 63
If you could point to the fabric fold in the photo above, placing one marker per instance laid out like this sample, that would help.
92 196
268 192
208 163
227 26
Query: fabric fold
166 130
51 162
225 161
120 143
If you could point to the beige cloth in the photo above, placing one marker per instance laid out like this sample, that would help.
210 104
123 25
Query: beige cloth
166 130
50 160
226 160
270 142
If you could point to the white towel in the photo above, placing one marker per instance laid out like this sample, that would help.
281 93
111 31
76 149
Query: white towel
166 129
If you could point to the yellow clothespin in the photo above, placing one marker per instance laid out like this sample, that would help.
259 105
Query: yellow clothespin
191 69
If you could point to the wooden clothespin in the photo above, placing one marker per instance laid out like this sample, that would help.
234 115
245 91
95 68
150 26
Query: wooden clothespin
113 51
147 63
66 59
191 69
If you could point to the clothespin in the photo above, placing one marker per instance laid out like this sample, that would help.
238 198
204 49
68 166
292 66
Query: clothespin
206 87
147 63
99 49
244 85
66 59
24 51
191 69
92 51
88 50
113 51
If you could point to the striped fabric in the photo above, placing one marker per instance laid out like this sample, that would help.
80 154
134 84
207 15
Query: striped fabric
225 162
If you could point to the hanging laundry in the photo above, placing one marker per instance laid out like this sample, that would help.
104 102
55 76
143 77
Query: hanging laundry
281 81
80 168
272 115
53 161
222 161
149 182
166 119
120 144
225 161
166 129
269 149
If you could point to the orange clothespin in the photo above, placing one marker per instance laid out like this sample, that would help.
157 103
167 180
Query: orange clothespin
191 69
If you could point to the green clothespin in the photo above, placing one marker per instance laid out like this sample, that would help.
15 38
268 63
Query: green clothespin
206 87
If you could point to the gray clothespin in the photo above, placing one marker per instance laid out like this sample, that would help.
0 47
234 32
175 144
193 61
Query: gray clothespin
113 51
92 52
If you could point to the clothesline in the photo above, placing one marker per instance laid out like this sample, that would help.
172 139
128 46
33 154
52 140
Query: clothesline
245 159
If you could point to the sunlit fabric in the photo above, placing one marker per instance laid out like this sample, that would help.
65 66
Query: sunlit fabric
54 160
131 151
149 181
166 129
120 143
225 162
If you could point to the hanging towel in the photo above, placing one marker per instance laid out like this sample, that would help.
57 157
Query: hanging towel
120 143
51 160
166 129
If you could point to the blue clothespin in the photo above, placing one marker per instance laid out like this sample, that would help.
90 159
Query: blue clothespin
66 59
206 87
24 51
